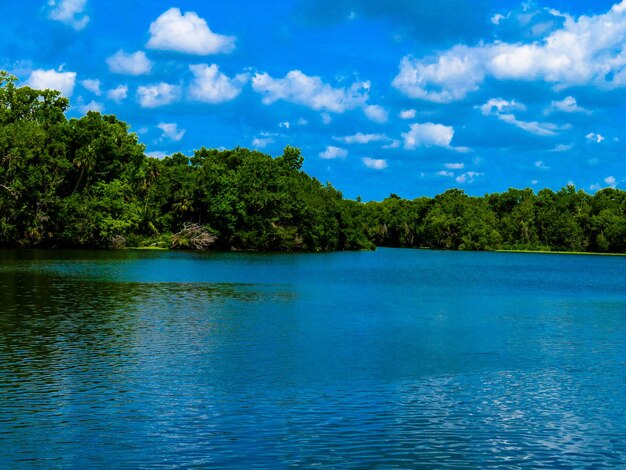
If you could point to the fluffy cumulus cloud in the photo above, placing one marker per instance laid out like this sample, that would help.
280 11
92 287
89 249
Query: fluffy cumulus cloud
374 163
428 135
187 33
586 50
332 152
171 131
212 86
611 181
498 17
70 12
92 86
566 105
441 79
312 92
497 106
84 108
118 94
376 113
262 141
135 64
51 79
159 94
408 114
468 177
503 110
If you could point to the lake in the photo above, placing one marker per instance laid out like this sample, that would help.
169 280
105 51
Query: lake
386 359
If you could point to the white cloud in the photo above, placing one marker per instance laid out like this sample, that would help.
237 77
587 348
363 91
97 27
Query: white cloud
443 79
84 108
301 89
374 163
611 181
454 166
70 12
376 113
118 94
407 114
542 166
498 105
212 86
468 177
92 86
562 148
534 182
159 94
596 138
53 80
262 142
188 33
534 127
498 17
566 105
135 64
156 154
428 135
502 110
447 174
333 152
312 92
326 118
285 124
171 131
586 50
360 138
394 144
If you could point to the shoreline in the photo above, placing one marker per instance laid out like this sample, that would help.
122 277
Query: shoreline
161 248
592 253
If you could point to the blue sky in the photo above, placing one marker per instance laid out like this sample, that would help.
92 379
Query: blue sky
403 96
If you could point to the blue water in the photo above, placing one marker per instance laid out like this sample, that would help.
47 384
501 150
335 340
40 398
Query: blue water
386 359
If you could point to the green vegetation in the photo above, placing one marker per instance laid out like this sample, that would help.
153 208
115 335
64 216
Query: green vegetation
87 183
519 220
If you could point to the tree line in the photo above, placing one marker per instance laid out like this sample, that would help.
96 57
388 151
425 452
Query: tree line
87 183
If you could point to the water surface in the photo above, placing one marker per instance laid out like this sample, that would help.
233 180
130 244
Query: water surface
393 358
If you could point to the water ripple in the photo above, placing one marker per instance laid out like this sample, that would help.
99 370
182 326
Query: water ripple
99 373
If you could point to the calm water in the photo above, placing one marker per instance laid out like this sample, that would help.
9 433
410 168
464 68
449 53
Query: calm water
395 358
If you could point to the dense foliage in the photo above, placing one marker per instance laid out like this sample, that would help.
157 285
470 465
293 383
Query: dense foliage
567 220
87 182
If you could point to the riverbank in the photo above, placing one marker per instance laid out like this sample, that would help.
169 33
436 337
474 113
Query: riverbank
593 253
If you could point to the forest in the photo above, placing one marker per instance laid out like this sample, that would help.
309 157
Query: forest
87 183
